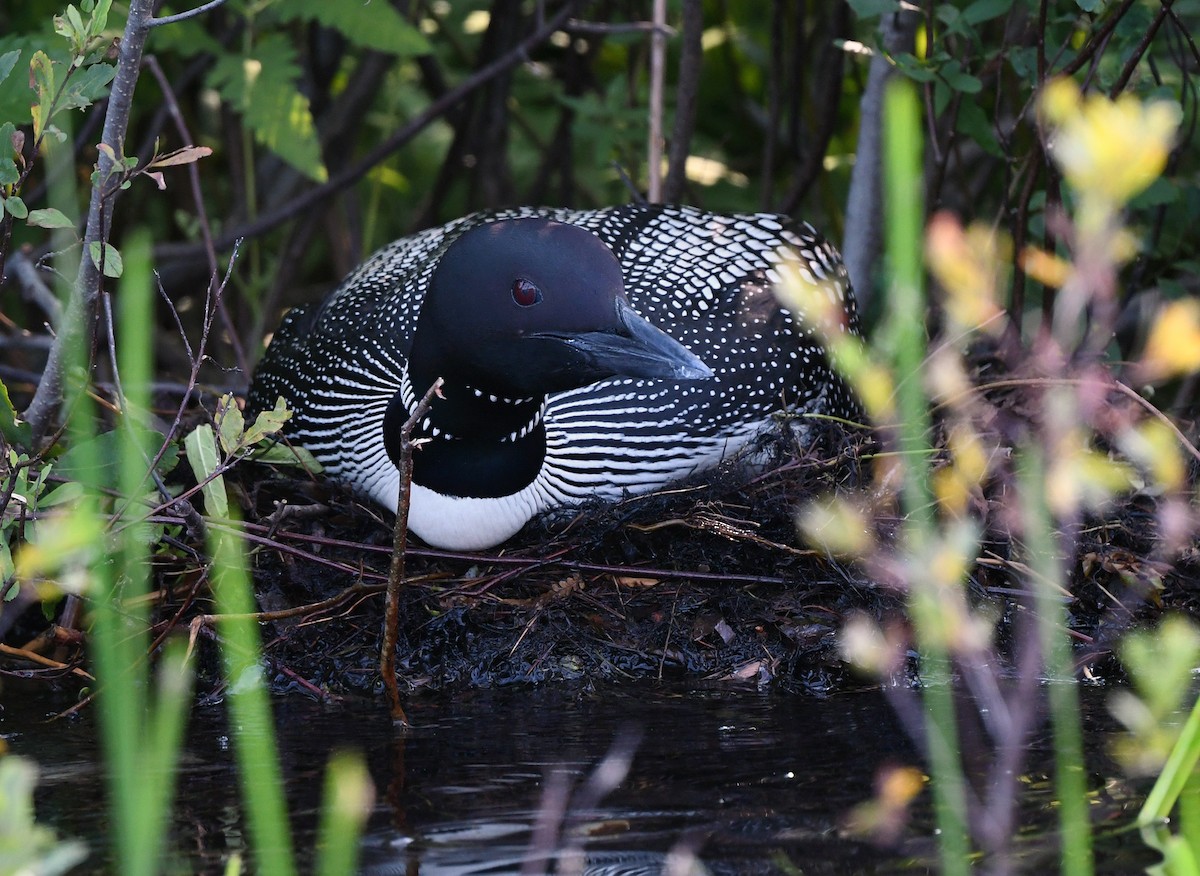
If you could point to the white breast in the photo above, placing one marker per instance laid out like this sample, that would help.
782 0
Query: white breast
461 523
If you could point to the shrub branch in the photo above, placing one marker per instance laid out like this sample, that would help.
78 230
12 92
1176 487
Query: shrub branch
79 320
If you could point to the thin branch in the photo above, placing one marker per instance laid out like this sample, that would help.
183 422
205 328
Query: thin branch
79 318
391 622
1099 38
34 288
184 16
690 62
591 28
1142 46
214 270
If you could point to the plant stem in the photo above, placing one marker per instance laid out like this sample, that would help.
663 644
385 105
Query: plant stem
904 220
1063 695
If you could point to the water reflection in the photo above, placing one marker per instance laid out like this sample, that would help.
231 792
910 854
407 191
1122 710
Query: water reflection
738 778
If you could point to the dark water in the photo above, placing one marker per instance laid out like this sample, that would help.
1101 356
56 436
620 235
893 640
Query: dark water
740 780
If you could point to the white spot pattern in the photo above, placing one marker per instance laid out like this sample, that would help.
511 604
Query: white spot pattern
704 278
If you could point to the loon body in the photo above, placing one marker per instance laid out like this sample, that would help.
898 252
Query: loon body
556 390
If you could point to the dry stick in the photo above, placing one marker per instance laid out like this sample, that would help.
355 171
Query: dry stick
210 251
690 62
391 620
1142 47
524 564
34 657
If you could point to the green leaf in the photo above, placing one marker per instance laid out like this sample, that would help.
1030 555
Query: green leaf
986 10
86 87
7 61
113 266
99 17
14 206
964 82
1161 191
41 80
1089 5
268 422
49 217
71 491
6 570
8 148
974 123
941 97
914 69
12 427
372 25
262 86
283 454
201 447
230 423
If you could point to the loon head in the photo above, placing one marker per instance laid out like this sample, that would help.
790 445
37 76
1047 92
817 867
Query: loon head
526 307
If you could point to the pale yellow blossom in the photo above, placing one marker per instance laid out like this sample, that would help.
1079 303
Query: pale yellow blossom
1108 150
1173 347
970 265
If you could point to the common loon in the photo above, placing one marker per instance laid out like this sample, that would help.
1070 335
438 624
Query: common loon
556 390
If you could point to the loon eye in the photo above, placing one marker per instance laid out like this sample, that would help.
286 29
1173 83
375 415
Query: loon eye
525 292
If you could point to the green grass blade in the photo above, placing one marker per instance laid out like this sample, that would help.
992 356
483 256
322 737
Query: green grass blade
249 708
164 741
1175 773
1062 692
904 221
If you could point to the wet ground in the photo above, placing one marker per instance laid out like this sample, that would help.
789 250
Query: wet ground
743 780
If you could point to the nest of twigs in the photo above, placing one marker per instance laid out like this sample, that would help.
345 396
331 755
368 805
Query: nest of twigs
707 579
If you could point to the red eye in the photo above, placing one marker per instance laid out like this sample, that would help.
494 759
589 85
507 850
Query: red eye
525 292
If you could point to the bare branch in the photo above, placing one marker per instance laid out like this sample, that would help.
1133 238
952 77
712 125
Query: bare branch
184 16
690 61
79 319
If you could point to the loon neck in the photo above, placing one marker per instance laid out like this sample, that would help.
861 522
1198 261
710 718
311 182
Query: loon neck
477 443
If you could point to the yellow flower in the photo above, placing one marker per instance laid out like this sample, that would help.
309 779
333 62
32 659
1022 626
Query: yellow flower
1109 150
954 484
1173 347
1047 268
836 525
970 265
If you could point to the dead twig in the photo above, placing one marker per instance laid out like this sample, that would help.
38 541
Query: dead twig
34 657
391 621
686 92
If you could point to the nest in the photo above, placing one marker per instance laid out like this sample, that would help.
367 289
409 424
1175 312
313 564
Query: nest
706 579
